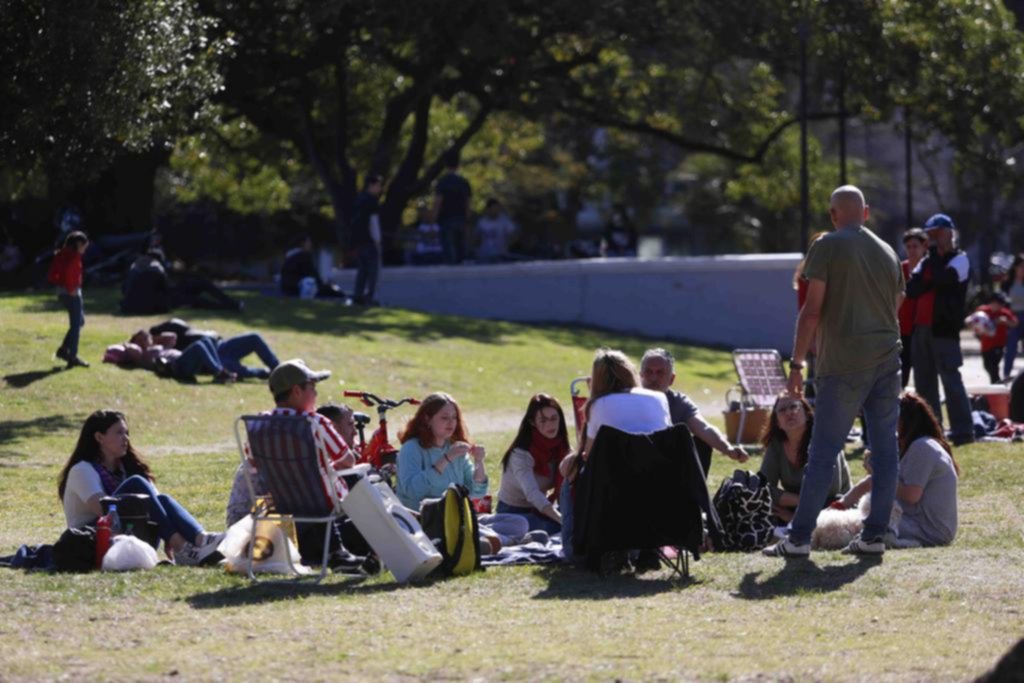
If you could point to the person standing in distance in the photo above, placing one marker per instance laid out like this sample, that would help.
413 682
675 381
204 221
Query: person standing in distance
855 288
366 239
943 274
451 209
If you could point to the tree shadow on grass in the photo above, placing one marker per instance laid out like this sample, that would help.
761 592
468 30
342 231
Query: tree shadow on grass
572 583
23 379
261 593
804 576
13 430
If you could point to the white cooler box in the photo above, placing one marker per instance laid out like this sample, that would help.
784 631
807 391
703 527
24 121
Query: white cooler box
391 530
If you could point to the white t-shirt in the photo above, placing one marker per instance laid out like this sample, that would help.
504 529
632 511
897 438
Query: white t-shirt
83 483
638 412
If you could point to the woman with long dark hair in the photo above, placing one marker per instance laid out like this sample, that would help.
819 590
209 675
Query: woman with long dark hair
929 477
530 476
785 442
104 463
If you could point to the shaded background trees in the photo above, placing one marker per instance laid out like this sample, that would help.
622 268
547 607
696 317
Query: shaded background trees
685 111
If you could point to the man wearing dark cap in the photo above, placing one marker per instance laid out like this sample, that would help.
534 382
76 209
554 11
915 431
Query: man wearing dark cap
945 273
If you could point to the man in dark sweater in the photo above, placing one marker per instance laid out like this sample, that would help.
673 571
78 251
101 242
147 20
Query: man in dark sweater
945 272
451 209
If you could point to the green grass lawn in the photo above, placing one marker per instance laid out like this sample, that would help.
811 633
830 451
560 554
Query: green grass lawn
936 614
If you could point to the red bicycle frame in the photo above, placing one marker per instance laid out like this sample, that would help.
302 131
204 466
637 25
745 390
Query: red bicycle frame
378 451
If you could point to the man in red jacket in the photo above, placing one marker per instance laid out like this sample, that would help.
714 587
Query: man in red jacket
66 273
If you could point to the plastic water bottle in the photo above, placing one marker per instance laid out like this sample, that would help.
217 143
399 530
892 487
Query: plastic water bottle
115 521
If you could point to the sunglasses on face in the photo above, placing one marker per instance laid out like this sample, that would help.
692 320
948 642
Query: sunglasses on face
787 407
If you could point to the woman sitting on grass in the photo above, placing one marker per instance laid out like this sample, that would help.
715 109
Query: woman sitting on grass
530 466
435 453
104 463
617 400
785 457
929 475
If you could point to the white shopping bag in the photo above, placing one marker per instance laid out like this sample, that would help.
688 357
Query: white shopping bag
270 552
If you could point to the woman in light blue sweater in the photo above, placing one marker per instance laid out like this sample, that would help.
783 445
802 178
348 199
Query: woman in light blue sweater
435 453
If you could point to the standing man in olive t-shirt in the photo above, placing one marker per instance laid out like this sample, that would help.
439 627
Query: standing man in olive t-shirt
855 288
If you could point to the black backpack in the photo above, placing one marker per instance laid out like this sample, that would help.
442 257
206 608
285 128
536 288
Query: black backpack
75 551
744 505
450 523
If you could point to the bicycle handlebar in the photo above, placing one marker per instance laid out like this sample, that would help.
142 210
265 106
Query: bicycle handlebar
371 399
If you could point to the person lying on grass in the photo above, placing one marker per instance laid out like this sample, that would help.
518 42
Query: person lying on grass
785 444
436 452
530 479
616 399
104 463
159 355
928 479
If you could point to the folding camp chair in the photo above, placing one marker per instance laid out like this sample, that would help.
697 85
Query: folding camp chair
761 379
284 450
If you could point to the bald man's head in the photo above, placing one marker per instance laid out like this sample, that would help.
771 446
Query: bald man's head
848 207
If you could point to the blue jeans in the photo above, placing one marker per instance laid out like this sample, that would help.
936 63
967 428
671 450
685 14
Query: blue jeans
565 507
76 320
452 239
232 351
199 356
1013 344
171 518
533 518
938 358
838 400
368 260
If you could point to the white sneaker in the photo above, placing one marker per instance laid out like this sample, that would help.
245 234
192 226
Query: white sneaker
205 552
785 548
861 546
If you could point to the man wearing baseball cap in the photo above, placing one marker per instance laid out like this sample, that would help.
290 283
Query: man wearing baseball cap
944 273
293 385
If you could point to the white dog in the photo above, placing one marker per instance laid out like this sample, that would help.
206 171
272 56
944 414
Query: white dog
836 528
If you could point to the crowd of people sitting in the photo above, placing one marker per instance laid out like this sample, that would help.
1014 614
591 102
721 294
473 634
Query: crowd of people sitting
538 468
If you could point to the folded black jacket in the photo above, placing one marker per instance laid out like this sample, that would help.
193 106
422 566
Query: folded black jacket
641 491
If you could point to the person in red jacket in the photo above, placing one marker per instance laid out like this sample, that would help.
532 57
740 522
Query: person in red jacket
994 334
915 243
66 273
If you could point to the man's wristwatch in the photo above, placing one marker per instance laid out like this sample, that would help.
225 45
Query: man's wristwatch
793 365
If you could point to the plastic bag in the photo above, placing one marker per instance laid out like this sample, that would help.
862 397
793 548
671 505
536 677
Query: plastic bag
270 552
128 553
307 288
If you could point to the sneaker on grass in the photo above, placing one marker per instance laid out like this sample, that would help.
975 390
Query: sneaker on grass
786 548
203 553
865 546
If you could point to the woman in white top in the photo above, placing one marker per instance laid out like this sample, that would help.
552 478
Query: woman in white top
104 463
616 400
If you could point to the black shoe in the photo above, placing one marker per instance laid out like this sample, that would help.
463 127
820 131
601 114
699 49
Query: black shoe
344 562
613 563
62 354
647 561
76 362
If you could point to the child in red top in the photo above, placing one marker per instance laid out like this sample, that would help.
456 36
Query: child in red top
993 345
66 273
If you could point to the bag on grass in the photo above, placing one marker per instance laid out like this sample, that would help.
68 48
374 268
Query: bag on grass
450 523
270 551
75 551
744 505
128 553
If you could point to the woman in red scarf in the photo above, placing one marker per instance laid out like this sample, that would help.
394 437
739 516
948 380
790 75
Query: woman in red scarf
530 477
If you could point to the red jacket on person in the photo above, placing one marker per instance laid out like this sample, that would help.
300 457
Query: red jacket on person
66 269
908 309
1004 319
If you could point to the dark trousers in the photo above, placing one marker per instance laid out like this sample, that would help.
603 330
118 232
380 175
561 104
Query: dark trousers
991 359
368 263
906 358
343 535
76 319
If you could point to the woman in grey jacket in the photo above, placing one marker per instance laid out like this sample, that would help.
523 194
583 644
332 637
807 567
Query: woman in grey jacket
530 477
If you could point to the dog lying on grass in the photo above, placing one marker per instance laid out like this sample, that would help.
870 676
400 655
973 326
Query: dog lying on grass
836 528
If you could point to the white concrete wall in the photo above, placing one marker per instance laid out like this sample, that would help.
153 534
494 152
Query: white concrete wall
729 301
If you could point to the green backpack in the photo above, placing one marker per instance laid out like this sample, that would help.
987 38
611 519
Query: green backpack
450 523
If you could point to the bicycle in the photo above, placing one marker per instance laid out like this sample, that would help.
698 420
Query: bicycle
378 451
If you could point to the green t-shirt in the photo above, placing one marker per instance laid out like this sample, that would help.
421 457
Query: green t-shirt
858 328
